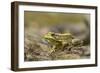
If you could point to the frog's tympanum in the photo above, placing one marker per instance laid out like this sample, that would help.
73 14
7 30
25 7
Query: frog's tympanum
58 40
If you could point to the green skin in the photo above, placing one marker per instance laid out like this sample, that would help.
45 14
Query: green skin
57 40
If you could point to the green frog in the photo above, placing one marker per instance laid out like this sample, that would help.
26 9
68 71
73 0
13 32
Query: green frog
58 40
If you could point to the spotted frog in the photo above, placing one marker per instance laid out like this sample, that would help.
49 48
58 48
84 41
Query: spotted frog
58 40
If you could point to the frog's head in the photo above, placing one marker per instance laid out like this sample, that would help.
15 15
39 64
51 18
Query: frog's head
49 36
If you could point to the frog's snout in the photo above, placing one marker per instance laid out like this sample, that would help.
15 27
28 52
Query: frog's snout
48 37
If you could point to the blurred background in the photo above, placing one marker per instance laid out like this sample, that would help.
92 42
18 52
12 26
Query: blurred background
37 24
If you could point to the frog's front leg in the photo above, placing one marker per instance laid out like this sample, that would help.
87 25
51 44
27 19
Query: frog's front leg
53 48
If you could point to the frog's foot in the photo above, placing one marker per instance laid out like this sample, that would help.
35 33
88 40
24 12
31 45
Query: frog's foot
52 49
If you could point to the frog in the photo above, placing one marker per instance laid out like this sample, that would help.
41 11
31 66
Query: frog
58 40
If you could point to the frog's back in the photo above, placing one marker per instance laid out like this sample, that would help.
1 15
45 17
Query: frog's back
65 36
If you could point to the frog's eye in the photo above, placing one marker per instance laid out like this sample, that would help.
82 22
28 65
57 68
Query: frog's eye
52 34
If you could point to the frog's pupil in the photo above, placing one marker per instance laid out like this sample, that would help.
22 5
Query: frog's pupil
53 34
